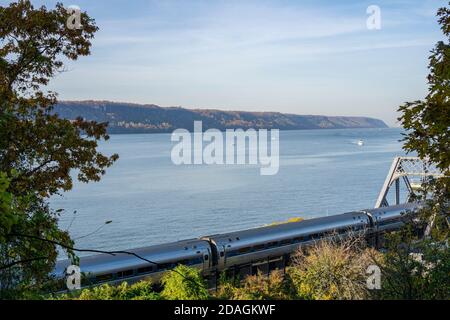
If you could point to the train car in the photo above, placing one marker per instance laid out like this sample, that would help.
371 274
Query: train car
391 218
239 253
267 248
106 268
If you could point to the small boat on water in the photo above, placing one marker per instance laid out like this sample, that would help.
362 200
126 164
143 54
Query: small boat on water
360 142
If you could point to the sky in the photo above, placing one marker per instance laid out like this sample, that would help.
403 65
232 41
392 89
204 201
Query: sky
302 57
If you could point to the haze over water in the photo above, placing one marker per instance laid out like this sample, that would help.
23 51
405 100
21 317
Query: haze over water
150 200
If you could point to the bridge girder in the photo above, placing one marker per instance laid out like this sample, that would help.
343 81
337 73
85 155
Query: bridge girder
405 168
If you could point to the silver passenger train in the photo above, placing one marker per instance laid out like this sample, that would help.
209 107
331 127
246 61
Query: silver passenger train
239 253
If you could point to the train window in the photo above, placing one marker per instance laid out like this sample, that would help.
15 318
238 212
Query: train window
259 247
87 281
298 239
232 253
206 257
188 262
285 242
124 274
245 250
145 270
163 266
272 244
221 253
104 277
237 238
386 222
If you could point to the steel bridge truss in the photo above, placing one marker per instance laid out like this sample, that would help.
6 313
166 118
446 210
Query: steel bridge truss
412 170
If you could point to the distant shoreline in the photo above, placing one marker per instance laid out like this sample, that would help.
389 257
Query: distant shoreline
281 130
127 118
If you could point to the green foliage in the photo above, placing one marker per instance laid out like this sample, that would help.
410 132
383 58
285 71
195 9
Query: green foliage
184 283
226 287
19 213
139 291
331 271
257 287
38 149
7 207
414 270
26 262
427 123
42 147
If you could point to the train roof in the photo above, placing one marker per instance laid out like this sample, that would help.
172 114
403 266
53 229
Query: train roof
157 253
290 229
396 208
293 229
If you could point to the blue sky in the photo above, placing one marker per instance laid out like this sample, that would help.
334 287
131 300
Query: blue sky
303 57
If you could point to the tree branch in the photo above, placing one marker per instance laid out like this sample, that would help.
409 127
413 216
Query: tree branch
113 253
12 264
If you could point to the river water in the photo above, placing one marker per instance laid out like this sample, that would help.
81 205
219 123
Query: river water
150 200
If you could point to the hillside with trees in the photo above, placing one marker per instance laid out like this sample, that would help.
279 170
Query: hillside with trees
137 118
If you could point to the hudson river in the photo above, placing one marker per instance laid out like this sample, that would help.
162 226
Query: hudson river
150 200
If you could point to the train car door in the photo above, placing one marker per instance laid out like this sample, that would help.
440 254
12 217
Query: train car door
207 259
222 257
